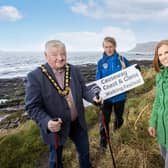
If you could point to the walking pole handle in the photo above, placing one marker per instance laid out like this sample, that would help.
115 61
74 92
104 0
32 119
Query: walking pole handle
55 119
98 104
97 95
56 136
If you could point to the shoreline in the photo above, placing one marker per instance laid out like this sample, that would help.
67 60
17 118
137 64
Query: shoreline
142 63
14 87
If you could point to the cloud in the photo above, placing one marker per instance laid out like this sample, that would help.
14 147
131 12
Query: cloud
150 1
92 9
92 41
122 10
9 13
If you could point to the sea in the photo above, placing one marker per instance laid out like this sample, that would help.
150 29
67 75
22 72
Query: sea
18 64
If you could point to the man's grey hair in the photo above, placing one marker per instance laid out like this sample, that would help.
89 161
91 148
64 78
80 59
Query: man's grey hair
54 43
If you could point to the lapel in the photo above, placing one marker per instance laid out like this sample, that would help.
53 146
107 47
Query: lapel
73 85
49 69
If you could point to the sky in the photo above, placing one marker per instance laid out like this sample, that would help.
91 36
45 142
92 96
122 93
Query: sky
25 25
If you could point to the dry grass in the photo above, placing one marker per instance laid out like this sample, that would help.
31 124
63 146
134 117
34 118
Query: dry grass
132 146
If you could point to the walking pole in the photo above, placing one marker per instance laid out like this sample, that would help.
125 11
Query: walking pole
57 147
108 139
106 133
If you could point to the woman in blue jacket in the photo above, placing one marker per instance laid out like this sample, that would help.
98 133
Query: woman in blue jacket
111 62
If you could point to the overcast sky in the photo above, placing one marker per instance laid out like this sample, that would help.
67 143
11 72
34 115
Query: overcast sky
25 25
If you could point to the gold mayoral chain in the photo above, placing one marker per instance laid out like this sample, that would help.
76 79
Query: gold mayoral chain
65 91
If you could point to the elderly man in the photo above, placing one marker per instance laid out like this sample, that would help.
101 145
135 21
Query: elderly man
54 93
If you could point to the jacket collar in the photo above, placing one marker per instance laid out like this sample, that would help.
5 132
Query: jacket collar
113 56
164 71
49 69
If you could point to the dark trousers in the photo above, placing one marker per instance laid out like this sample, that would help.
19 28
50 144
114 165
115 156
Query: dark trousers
79 136
118 121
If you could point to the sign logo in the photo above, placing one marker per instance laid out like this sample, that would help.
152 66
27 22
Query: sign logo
105 65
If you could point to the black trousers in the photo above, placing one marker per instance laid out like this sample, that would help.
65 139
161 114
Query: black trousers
118 121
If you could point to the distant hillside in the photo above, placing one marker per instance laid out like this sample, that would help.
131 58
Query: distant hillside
144 47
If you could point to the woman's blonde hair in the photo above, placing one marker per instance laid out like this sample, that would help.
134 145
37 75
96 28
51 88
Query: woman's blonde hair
156 62
111 40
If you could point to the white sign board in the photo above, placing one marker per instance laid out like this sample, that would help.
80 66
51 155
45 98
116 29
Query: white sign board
118 82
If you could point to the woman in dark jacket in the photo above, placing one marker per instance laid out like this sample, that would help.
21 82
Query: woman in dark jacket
111 62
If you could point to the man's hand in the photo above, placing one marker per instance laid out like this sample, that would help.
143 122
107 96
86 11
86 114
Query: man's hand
98 100
55 126
152 131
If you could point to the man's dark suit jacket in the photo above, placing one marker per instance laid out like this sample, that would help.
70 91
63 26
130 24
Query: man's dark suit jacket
43 102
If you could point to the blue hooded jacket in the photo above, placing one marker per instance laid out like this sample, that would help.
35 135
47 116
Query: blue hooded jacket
108 65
